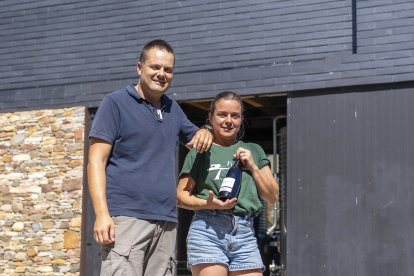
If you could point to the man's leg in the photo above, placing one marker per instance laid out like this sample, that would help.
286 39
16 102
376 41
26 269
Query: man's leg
161 258
126 256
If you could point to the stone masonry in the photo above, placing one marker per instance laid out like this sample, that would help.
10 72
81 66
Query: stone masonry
41 176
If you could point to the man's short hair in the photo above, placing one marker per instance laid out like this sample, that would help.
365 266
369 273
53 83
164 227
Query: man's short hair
156 43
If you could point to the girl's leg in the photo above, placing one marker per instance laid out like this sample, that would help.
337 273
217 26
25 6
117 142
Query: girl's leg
209 270
250 272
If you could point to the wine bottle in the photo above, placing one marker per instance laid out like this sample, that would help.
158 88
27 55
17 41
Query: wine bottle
231 183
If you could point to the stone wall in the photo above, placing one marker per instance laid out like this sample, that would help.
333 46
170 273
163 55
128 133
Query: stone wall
41 176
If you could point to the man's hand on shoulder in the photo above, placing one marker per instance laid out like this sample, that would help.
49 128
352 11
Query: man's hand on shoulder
202 140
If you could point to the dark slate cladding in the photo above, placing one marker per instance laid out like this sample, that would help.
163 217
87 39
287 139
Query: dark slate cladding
350 182
73 52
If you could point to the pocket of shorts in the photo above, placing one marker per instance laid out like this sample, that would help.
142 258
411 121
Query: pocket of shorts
195 222
248 224
118 249
122 249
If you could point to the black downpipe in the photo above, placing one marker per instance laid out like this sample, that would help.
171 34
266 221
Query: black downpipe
354 27
282 180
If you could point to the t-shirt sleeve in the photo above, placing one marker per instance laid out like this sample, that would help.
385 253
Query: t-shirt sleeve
260 156
190 164
105 124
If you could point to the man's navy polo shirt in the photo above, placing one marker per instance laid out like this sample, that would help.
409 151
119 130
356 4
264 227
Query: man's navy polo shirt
141 170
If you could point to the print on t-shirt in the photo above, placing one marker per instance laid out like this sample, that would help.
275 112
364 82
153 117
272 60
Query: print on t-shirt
220 169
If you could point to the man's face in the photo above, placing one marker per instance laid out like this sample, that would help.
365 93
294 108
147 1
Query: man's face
156 72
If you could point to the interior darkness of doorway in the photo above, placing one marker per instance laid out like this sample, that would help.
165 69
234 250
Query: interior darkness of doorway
259 112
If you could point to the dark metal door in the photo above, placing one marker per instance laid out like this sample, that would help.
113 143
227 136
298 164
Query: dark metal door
90 250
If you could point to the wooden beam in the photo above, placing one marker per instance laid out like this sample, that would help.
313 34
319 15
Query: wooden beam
200 105
255 102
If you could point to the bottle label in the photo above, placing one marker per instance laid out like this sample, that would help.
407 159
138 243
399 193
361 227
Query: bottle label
227 184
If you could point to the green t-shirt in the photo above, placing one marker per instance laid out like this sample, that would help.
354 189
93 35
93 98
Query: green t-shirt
208 169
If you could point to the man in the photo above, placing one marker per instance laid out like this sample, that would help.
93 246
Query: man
131 170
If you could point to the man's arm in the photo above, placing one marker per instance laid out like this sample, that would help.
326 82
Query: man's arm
104 229
191 136
201 140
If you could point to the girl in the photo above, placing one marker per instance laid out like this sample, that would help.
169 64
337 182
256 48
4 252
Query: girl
221 237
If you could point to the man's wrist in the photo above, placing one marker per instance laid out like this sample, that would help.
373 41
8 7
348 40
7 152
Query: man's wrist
208 128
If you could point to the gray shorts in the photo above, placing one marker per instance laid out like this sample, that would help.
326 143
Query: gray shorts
141 248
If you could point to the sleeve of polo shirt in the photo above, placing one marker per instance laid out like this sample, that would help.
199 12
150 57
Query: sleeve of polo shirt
105 124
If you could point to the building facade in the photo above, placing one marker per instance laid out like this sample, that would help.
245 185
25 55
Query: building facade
339 72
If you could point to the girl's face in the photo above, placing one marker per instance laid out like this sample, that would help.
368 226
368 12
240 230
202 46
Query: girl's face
226 121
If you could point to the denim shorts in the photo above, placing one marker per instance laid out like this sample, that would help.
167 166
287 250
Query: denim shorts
223 238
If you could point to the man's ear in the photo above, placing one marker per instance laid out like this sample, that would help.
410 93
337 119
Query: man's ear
139 68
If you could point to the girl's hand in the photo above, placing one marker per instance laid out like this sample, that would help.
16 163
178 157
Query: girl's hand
215 203
246 158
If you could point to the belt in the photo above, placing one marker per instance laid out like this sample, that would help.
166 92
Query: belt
232 213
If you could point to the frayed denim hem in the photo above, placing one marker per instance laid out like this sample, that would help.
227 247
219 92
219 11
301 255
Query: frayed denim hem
205 261
229 268
247 267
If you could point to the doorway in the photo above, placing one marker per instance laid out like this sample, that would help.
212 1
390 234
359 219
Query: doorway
265 121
